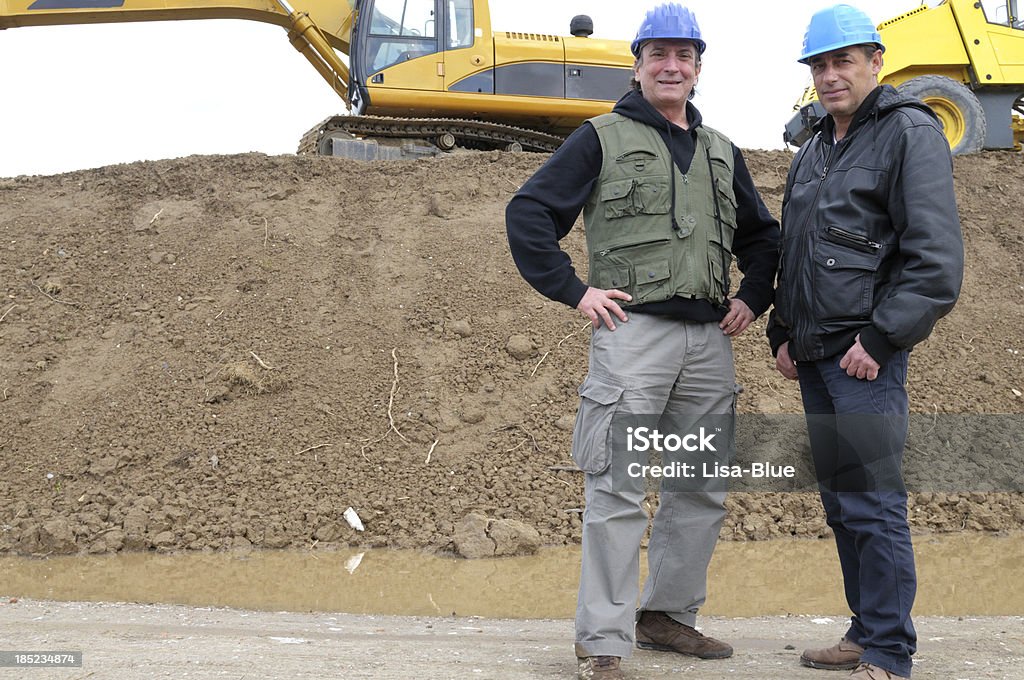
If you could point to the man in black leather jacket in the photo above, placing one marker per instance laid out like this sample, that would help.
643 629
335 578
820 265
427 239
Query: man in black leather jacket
872 257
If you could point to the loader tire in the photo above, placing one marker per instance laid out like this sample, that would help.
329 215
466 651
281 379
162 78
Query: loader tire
963 118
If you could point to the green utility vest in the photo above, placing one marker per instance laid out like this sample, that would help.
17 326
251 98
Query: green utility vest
630 237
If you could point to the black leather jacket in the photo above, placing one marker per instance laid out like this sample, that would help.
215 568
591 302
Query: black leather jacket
871 235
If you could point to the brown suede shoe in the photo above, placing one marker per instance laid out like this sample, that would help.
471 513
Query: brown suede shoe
658 630
869 671
840 657
598 668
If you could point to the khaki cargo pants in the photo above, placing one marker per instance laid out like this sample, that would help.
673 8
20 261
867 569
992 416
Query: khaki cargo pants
649 365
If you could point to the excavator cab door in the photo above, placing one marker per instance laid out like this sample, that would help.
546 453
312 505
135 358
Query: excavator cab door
469 48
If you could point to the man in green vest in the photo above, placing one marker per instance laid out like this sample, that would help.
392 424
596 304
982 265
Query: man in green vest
666 202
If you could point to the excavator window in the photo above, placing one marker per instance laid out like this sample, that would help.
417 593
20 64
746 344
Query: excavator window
460 23
1003 13
400 30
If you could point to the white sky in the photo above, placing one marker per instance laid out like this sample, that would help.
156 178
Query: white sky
78 97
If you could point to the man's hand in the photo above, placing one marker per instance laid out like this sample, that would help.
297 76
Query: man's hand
737 319
784 364
858 363
597 303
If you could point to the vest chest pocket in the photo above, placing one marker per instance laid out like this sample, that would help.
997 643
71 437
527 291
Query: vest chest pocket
643 270
636 196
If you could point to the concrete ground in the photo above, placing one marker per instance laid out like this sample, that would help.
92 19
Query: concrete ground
122 641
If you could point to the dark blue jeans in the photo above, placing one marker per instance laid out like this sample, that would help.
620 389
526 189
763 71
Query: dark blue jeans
857 430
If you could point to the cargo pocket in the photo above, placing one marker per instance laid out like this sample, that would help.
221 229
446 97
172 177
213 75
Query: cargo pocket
844 281
643 270
591 438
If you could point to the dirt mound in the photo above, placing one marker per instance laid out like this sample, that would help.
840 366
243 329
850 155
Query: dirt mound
217 352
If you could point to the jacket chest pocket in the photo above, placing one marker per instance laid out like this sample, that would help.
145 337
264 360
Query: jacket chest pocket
844 280
635 196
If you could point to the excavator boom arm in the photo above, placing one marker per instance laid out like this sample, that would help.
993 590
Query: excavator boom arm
316 28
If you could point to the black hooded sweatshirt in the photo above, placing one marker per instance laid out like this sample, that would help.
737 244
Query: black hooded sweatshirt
546 207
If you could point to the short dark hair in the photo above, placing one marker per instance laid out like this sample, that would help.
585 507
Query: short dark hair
869 49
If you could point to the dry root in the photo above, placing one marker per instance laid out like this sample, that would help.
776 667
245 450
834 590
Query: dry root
243 375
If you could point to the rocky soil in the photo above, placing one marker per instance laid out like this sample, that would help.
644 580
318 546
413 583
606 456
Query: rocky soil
229 352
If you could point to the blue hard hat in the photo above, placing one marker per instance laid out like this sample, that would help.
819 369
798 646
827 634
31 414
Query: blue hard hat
670 21
835 27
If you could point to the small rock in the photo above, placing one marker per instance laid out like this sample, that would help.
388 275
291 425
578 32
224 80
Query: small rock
165 539
462 328
441 206
513 538
104 466
566 422
478 536
52 287
472 416
471 539
56 536
282 194
520 347
156 257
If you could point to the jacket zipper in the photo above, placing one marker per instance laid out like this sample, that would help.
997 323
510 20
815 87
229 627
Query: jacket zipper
800 330
856 240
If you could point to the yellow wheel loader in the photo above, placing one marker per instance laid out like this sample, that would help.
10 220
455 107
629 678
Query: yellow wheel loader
964 58
432 71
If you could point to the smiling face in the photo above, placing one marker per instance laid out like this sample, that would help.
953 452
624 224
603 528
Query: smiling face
844 78
667 71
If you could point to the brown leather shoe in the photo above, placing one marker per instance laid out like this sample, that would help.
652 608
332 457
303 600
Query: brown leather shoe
598 668
658 630
869 671
840 657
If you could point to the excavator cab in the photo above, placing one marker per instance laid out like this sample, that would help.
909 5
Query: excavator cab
439 59
401 45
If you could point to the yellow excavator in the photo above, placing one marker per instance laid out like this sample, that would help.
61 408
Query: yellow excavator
964 58
421 75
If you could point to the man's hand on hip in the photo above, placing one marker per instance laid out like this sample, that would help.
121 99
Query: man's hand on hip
858 363
737 319
599 305
784 363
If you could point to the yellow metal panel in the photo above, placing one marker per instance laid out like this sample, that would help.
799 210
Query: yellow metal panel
999 59
554 115
421 73
975 29
1008 46
511 47
927 37
597 52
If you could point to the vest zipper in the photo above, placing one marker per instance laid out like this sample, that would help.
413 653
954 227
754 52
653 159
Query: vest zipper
606 251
